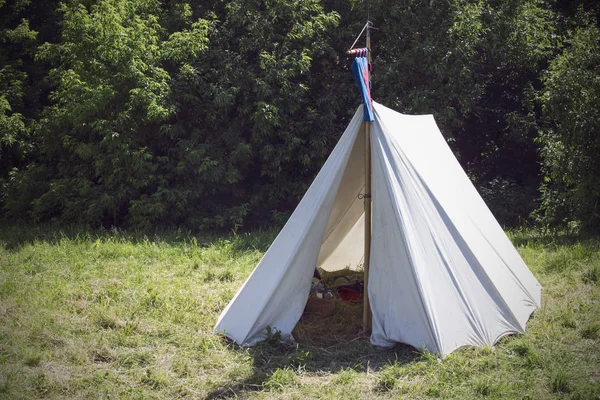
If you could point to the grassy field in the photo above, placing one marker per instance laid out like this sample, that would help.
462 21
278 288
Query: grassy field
113 315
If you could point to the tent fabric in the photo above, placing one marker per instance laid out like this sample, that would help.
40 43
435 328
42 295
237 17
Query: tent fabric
443 274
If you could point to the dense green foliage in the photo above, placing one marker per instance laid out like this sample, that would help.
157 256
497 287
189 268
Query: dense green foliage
570 137
216 114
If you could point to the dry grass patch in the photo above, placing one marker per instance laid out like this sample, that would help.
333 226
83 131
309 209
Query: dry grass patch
344 325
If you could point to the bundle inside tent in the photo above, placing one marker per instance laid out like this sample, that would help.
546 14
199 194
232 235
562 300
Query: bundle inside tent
443 274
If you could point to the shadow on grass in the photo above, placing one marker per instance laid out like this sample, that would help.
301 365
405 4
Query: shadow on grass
358 355
538 238
13 237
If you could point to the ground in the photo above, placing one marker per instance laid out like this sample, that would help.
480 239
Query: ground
116 315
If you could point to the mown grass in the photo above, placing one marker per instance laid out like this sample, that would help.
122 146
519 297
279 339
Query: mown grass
115 315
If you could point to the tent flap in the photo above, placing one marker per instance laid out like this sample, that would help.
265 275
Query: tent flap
441 268
277 290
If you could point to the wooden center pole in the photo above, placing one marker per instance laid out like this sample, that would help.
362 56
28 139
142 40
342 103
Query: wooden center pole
367 205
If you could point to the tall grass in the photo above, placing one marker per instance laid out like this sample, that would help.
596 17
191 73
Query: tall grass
123 315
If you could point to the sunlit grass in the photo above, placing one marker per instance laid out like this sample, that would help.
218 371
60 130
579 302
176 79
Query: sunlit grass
111 314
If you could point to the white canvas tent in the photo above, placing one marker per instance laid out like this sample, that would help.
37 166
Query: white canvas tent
442 273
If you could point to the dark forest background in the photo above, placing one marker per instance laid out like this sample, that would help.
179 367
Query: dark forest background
218 114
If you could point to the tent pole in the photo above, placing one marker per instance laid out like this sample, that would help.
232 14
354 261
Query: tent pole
367 205
367 200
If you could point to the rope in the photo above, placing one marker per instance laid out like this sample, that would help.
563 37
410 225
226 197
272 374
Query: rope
359 35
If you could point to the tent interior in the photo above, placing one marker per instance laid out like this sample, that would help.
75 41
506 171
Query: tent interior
342 246
341 258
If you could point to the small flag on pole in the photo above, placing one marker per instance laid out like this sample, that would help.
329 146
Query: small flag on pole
360 68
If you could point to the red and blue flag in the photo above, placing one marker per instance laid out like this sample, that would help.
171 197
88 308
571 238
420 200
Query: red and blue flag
360 68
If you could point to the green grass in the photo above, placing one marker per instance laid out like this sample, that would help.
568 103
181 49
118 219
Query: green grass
116 315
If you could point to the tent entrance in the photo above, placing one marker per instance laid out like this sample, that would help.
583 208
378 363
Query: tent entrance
340 262
337 317
342 246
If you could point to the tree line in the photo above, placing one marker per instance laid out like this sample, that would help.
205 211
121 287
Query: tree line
215 114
